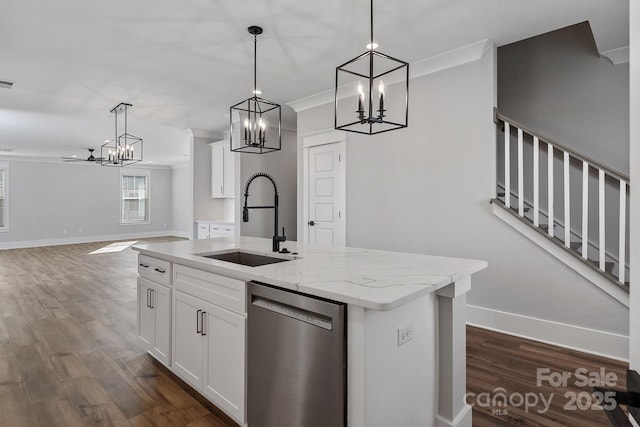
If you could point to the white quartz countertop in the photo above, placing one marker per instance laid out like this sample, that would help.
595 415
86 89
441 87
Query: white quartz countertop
374 279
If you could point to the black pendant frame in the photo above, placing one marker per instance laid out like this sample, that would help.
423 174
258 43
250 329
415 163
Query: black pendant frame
253 133
125 149
369 120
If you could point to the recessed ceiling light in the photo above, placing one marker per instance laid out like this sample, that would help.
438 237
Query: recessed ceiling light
107 140
150 161
375 46
75 156
257 92
6 85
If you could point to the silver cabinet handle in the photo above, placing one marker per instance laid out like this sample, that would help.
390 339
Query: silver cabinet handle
151 302
148 298
144 265
159 270
198 319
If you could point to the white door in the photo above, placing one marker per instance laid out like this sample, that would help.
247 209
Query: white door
325 224
229 170
217 170
145 314
225 360
187 338
161 303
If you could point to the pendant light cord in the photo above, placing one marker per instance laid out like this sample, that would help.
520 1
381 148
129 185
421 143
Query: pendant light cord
255 64
371 25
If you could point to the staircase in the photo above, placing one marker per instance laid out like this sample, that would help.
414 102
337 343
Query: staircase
559 197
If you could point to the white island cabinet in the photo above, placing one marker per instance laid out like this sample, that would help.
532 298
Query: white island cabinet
154 307
209 324
405 324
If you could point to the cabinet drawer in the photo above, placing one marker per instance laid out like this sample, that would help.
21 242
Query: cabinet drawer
214 288
221 229
155 269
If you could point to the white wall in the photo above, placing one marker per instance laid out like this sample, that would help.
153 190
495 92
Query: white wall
52 203
281 165
635 185
557 84
426 189
181 202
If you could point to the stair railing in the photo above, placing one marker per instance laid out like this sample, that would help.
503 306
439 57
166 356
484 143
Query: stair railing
604 173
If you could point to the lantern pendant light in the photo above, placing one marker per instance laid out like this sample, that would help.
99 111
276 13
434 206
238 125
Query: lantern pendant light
372 92
124 149
255 122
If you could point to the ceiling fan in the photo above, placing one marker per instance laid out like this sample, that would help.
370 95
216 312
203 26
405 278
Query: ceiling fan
91 157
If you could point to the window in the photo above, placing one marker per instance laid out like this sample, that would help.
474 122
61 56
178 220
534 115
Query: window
134 197
4 176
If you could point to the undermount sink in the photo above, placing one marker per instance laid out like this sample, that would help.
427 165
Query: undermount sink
245 258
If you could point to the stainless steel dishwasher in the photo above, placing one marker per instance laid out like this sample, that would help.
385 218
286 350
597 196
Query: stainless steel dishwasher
296 360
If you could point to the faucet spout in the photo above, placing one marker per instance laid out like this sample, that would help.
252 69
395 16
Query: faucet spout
245 209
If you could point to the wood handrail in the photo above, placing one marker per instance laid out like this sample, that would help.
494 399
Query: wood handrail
572 152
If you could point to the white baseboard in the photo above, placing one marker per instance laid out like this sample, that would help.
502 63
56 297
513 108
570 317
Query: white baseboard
600 343
90 239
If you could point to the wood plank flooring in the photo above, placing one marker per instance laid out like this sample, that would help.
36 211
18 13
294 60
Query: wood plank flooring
69 354
496 360
68 349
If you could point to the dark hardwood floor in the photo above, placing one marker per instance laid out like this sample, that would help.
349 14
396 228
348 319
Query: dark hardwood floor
69 355
496 361
68 350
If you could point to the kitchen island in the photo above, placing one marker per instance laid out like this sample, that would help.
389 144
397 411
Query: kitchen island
405 322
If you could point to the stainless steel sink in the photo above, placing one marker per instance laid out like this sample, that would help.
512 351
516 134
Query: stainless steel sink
245 258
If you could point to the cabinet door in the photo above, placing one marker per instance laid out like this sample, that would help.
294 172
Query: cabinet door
229 170
203 230
145 315
187 340
217 170
161 306
225 360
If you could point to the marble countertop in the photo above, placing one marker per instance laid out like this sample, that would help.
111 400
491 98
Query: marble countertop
373 279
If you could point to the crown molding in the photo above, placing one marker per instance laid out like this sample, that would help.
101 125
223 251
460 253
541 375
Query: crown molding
617 56
443 61
206 134
181 165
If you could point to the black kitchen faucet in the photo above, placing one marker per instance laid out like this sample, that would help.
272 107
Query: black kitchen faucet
245 210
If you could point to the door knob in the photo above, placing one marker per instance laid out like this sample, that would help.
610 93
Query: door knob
311 223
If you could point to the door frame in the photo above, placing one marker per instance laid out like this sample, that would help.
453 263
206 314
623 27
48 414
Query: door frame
313 140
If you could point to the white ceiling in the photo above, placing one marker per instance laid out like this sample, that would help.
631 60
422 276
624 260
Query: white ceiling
183 63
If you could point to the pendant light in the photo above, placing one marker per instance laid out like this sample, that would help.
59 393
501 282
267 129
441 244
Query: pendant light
124 149
372 92
255 122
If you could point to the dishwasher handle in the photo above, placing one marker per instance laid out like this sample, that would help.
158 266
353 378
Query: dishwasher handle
297 313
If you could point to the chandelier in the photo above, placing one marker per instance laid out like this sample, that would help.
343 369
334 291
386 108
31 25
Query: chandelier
365 100
255 122
124 149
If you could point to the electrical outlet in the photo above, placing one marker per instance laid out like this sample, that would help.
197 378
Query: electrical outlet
405 333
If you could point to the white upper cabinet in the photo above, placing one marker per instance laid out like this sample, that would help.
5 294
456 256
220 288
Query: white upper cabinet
222 170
